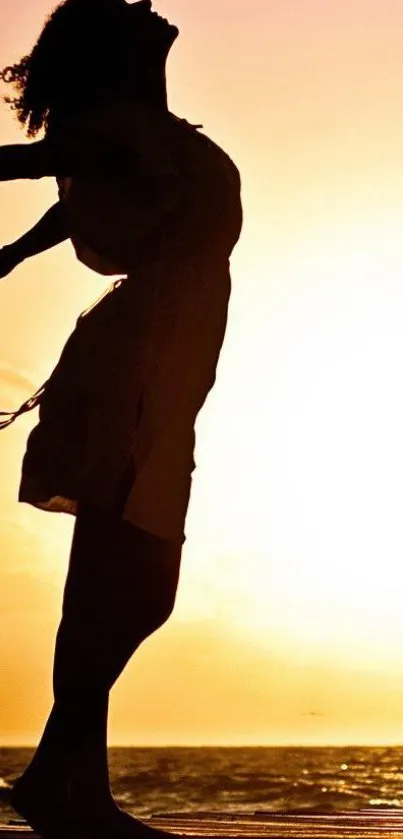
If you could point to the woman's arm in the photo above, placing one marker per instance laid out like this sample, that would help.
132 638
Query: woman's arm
25 160
67 153
85 145
47 233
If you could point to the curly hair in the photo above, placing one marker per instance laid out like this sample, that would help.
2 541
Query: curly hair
76 61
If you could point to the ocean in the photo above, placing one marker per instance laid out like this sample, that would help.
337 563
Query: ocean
148 781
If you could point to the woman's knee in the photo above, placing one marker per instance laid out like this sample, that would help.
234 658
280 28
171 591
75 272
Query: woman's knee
153 570
128 580
159 613
149 616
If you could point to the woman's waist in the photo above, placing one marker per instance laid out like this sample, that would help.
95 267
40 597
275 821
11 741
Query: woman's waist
168 259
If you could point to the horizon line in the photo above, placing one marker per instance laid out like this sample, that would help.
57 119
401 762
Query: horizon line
229 746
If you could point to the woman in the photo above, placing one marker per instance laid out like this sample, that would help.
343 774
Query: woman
143 192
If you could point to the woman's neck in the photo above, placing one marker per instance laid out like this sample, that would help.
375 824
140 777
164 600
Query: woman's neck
152 90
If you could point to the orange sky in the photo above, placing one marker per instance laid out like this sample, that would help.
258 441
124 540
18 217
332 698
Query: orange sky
292 582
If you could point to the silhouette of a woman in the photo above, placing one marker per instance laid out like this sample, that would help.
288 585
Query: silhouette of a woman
142 189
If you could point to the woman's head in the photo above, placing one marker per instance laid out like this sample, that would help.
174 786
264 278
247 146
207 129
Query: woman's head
89 50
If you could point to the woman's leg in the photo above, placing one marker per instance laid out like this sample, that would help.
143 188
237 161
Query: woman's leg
120 588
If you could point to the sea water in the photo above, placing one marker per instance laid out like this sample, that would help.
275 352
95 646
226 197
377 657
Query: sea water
148 781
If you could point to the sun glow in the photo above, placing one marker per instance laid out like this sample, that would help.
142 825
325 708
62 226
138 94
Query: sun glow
306 428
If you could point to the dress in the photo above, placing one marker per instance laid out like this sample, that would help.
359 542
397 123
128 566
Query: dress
137 368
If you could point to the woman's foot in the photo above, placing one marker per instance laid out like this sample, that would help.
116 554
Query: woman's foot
41 809
52 813
48 809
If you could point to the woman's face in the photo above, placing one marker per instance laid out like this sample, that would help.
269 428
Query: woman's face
156 34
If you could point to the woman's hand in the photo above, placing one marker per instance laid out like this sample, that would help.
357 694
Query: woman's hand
9 259
47 232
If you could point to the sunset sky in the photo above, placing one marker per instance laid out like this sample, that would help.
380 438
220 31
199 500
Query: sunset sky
288 626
